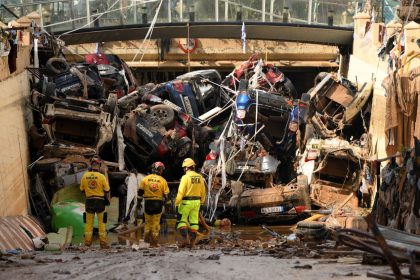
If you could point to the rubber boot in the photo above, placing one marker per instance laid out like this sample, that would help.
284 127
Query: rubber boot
104 245
154 241
193 239
183 241
88 243
148 237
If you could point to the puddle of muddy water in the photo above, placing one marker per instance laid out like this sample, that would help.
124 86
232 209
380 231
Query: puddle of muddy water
168 234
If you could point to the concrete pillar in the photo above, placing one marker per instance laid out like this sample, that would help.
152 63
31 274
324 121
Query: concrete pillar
411 34
392 27
35 17
344 65
377 33
24 21
360 21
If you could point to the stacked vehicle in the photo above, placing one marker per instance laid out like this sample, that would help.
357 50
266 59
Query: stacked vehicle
269 153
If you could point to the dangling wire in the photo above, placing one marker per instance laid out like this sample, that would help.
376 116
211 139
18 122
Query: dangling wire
148 34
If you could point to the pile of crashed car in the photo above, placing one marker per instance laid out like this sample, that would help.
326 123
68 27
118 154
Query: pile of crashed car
269 154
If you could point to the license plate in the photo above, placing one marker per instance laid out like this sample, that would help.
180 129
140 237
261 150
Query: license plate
276 209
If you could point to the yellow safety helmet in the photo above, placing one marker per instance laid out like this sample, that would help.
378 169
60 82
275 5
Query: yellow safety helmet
188 162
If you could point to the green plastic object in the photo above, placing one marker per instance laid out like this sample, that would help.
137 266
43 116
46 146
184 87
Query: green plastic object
68 205
69 213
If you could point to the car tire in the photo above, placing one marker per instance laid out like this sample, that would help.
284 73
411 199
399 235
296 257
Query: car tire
311 224
184 146
289 88
49 89
45 164
111 105
164 114
318 78
57 65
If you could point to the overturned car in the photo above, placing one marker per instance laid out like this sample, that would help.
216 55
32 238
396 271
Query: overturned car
334 169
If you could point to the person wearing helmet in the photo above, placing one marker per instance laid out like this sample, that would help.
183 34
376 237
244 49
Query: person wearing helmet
191 196
96 188
155 191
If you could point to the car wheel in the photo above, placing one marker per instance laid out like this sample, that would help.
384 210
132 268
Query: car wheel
320 77
164 114
57 65
111 105
289 88
48 89
183 147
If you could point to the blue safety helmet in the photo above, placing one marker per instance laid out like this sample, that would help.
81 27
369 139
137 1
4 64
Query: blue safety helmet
242 101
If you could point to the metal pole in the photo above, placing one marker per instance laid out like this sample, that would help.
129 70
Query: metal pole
169 10
271 10
216 10
181 10
286 14
330 18
263 10
226 10
310 12
88 12
144 14
40 14
135 15
36 59
188 49
191 13
239 13
73 25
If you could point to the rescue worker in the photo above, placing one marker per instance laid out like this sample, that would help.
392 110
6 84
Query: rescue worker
189 200
155 189
96 188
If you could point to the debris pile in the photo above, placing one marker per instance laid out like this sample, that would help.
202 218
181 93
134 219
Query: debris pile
269 153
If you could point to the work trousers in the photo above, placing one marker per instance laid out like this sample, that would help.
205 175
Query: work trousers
153 212
188 212
89 227
95 205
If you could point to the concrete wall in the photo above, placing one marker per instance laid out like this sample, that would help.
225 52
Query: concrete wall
15 117
215 53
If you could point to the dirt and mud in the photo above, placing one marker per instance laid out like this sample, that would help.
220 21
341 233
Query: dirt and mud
235 253
171 263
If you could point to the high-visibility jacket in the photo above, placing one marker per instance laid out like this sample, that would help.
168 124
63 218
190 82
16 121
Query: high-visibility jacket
191 187
94 184
154 186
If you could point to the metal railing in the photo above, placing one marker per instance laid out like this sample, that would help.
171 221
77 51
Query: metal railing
63 15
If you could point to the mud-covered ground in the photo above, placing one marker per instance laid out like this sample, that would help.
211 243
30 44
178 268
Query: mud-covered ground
172 263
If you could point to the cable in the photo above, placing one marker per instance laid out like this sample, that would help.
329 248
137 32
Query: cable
409 12
90 22
149 33
110 11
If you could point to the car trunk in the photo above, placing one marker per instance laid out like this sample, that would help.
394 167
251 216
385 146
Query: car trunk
335 181
76 131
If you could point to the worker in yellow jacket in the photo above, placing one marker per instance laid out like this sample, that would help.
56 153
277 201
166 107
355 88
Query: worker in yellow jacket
191 196
155 189
96 188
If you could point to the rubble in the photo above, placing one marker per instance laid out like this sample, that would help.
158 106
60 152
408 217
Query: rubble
269 154
250 162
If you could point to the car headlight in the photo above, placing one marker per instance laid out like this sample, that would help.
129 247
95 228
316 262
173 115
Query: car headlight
240 113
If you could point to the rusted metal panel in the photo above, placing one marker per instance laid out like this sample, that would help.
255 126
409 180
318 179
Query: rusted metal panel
18 232
340 94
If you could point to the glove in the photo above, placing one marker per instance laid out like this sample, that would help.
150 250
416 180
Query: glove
176 209
107 202
201 208
168 202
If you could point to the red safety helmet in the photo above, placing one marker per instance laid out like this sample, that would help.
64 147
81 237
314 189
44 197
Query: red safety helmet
158 166
95 160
